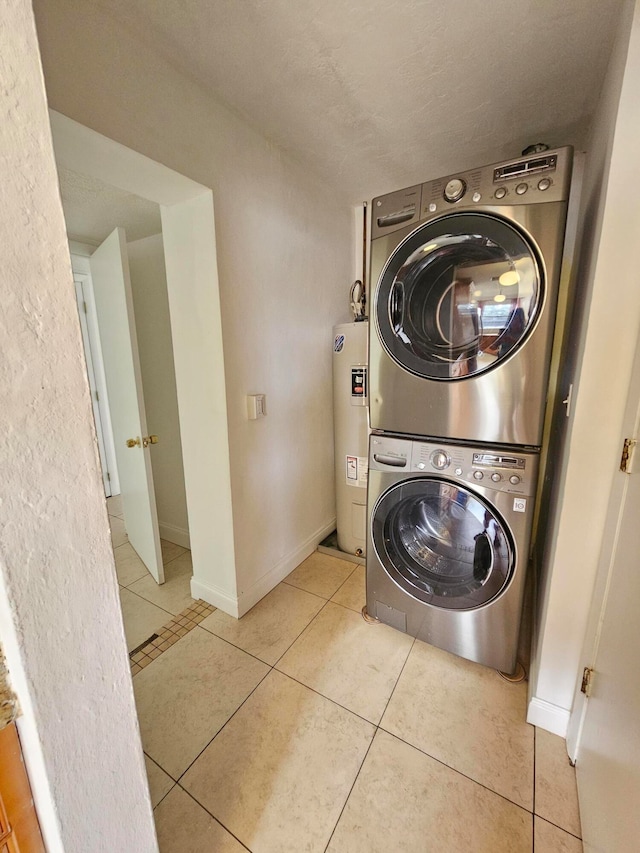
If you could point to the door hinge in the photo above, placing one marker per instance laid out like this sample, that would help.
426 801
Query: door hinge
626 460
108 476
587 681
97 397
84 307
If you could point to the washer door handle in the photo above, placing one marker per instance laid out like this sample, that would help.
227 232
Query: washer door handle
482 557
395 461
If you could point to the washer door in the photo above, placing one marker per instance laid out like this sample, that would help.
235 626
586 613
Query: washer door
442 544
460 294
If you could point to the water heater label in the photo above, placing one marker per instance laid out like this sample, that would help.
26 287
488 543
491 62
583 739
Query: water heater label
357 471
359 381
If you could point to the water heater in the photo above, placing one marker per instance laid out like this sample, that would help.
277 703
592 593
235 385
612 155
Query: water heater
351 434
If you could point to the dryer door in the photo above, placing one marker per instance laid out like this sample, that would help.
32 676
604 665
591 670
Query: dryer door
442 544
460 294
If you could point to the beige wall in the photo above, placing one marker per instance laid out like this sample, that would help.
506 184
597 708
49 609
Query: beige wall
153 329
60 622
600 354
284 258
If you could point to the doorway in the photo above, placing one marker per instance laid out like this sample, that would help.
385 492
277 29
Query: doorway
186 212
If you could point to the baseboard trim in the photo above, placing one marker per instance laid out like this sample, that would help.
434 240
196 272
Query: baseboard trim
547 716
177 535
216 597
251 596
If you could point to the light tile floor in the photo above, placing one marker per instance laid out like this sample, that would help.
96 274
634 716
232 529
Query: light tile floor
302 728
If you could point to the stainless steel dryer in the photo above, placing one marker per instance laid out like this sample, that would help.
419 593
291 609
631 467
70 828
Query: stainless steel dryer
467 270
448 544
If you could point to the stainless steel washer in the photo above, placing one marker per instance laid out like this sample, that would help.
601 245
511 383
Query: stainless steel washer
448 543
467 270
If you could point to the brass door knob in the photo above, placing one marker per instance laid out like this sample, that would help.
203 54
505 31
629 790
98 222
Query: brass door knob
149 439
133 442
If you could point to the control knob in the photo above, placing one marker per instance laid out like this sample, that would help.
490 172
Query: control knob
440 460
454 190
478 475
496 477
514 479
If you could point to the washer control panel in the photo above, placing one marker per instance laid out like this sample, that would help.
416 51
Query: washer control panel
504 471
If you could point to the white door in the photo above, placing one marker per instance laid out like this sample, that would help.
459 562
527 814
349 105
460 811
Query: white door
608 758
116 321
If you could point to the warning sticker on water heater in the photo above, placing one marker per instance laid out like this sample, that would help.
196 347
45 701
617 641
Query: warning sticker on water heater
519 504
357 470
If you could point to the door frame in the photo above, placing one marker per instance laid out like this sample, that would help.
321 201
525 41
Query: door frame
95 370
188 229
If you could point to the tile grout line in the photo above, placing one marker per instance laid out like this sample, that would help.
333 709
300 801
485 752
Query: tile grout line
375 732
557 826
443 763
164 610
328 698
344 805
459 772
355 566
219 822
306 628
222 727
184 551
269 671
397 680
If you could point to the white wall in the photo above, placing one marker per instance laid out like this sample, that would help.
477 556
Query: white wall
603 350
153 329
60 619
285 264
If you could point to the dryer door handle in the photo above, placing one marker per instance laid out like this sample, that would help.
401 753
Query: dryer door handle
395 461
396 307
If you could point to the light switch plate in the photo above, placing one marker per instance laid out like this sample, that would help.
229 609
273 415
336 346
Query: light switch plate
256 406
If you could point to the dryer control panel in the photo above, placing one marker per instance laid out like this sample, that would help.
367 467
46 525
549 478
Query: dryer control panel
535 179
500 470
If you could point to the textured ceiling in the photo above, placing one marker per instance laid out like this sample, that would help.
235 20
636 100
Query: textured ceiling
374 95
92 209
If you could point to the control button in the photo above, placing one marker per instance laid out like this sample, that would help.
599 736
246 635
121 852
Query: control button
458 472
496 477
478 475
440 460
476 196
514 479
501 192
454 190
433 207
544 184
522 188
421 466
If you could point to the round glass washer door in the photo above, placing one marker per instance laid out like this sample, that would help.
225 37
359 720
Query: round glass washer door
459 295
442 544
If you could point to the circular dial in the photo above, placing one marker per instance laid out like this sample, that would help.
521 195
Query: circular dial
454 190
440 460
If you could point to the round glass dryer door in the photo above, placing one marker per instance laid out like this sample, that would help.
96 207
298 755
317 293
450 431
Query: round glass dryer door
442 544
460 294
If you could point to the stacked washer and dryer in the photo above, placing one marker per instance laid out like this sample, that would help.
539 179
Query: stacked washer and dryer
461 332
